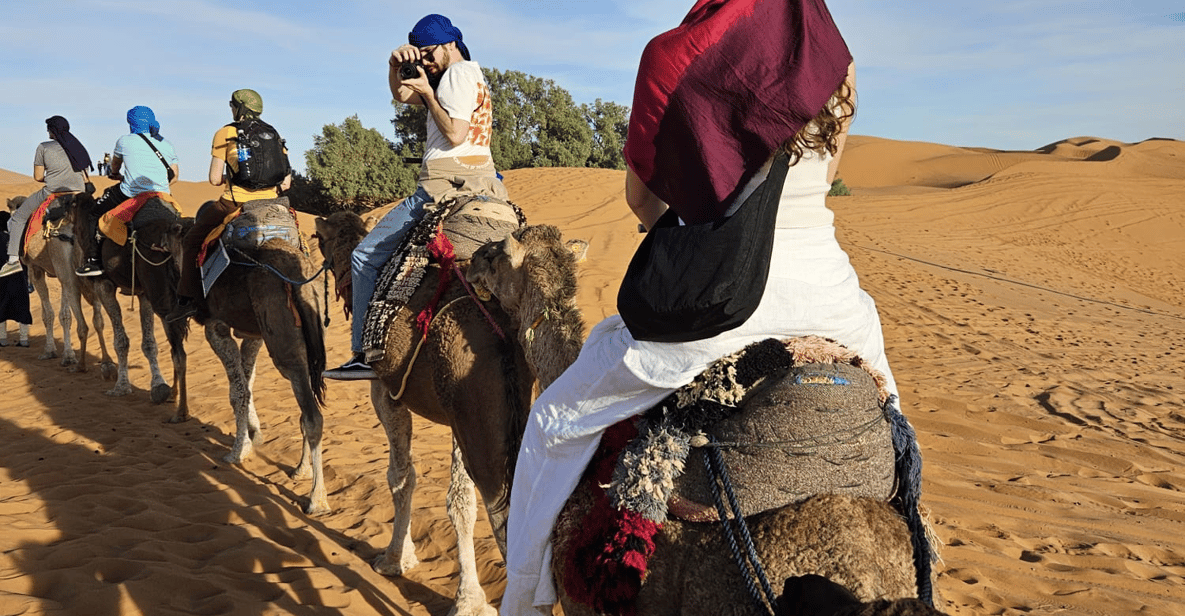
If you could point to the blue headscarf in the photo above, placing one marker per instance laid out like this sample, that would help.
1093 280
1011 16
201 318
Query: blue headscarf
142 120
437 30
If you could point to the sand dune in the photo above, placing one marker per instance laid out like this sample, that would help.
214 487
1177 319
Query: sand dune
1034 312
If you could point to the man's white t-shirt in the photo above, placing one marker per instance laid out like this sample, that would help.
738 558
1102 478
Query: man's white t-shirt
463 93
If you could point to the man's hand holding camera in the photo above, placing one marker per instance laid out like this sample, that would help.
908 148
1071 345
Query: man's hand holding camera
407 62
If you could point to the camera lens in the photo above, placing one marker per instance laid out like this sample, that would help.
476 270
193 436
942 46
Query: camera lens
409 70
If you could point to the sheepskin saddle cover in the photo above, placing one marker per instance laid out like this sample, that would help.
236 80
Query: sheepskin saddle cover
790 419
468 221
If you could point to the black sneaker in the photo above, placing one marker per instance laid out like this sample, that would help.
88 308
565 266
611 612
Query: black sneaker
91 267
354 370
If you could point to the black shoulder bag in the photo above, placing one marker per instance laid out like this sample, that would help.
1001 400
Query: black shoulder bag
690 282
168 168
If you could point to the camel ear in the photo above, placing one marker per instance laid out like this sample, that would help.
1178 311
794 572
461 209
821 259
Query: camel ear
578 248
514 250
322 226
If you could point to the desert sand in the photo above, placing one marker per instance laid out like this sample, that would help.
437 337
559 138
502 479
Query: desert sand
1034 312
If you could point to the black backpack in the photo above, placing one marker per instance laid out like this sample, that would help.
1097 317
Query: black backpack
261 157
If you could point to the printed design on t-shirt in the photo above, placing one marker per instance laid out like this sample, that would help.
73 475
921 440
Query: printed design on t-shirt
481 123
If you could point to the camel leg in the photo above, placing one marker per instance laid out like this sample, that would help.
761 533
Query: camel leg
462 510
47 316
107 368
248 356
64 317
400 556
159 390
176 333
105 292
311 425
72 304
219 337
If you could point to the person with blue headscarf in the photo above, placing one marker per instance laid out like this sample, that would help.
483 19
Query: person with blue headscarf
143 161
434 70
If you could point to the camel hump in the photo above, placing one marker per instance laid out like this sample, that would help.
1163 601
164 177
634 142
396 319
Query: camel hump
475 220
789 420
259 221
819 429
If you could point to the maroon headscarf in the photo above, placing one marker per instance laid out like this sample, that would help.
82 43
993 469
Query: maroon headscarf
718 94
60 129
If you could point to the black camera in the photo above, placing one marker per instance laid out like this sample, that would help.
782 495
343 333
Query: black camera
409 70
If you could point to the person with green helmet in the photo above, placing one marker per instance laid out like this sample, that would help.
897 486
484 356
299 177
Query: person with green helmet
232 167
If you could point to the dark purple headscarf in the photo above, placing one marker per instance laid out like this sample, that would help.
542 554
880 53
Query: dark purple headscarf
718 94
60 129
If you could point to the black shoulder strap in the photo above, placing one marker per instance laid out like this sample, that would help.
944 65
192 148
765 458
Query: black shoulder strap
168 170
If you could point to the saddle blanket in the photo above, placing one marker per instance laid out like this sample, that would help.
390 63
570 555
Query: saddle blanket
468 221
245 229
114 223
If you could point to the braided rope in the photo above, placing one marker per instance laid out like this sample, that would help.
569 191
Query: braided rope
748 561
908 497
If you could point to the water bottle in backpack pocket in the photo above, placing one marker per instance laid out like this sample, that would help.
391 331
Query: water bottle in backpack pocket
262 161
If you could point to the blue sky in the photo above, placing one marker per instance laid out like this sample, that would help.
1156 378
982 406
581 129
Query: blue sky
1009 74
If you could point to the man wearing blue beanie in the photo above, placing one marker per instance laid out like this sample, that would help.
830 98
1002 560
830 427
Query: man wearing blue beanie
434 70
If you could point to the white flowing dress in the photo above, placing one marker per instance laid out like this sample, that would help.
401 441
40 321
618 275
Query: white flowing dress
812 289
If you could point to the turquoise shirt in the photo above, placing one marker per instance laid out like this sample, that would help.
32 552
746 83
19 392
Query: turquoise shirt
142 170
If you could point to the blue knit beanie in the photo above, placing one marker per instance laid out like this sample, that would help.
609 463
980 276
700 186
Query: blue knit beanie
437 30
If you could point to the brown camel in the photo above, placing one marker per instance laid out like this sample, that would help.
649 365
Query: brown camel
860 542
50 253
463 375
284 314
143 267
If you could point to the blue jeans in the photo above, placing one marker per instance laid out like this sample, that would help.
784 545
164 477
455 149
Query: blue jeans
366 263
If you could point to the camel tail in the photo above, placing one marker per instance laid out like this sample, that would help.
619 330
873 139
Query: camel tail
313 331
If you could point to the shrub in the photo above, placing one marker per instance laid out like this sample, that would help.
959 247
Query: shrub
839 189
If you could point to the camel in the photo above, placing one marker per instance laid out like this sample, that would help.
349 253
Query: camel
50 253
859 542
282 314
461 374
142 267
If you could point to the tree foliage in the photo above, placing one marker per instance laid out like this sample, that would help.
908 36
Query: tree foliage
536 124
356 167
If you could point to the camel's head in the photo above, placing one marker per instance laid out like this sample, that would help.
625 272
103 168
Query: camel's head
530 259
15 202
337 235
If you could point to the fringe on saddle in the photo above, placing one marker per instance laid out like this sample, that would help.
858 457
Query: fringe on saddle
641 461
463 223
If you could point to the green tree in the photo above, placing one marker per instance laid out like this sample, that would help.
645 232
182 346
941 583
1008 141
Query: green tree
356 167
609 122
839 189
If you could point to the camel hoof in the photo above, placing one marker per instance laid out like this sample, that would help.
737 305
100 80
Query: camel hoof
161 393
301 472
317 508
473 609
234 458
69 361
74 368
119 390
47 355
108 370
180 417
382 566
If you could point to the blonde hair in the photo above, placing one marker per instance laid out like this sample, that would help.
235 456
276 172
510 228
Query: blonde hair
823 131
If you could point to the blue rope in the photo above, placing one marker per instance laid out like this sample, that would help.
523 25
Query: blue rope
748 561
909 490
